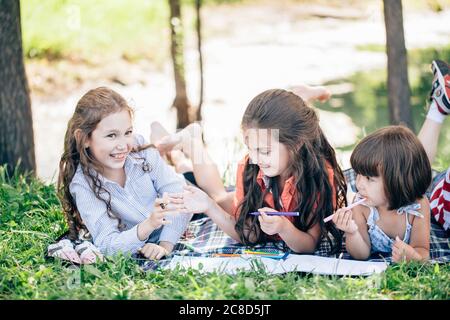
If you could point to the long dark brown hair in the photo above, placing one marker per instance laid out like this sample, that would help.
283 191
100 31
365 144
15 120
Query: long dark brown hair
398 156
95 105
299 130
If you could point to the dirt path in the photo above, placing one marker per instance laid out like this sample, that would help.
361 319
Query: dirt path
247 50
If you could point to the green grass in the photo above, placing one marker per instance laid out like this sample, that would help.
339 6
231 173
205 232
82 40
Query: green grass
30 218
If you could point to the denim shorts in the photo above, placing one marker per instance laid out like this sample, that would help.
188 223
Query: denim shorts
154 236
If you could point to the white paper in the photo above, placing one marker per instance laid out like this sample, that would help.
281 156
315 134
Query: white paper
332 266
294 262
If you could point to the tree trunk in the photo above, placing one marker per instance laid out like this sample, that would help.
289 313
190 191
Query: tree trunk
16 122
181 101
398 84
198 5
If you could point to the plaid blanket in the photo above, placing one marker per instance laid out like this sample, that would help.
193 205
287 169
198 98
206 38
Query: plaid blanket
207 239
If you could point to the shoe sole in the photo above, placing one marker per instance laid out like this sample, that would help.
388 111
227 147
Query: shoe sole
440 91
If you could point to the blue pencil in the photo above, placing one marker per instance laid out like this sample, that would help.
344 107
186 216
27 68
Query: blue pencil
291 214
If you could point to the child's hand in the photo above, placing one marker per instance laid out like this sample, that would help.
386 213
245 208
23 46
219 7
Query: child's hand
163 208
192 200
343 219
271 225
402 251
153 251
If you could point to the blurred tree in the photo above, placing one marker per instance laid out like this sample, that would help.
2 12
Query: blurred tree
186 113
16 123
181 101
398 84
198 5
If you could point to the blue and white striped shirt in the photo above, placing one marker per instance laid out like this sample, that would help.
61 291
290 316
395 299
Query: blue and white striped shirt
133 203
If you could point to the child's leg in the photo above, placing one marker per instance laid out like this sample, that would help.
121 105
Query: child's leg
429 136
440 91
205 170
439 108
440 201
189 141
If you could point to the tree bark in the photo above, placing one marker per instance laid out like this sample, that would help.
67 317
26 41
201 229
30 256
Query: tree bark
198 5
398 84
16 122
181 101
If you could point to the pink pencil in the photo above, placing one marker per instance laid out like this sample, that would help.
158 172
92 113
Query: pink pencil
346 208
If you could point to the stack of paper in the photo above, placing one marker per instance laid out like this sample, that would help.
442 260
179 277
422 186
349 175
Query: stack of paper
293 263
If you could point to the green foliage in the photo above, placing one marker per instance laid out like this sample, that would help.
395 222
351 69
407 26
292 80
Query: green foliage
31 218
367 102
82 28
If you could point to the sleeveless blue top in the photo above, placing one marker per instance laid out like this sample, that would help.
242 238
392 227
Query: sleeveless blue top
380 241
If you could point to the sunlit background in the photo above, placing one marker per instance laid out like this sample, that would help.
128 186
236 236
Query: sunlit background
248 46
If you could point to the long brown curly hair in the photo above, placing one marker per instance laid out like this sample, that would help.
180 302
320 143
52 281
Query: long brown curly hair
95 105
310 151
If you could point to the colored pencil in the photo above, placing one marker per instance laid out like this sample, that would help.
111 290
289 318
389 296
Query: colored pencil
291 214
346 209
260 253
226 255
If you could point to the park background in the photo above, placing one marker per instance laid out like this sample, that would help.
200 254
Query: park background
248 46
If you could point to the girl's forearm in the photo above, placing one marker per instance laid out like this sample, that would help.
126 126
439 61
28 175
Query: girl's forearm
356 246
144 229
297 240
225 221
419 254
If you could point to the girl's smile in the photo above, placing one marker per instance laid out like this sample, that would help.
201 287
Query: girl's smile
119 156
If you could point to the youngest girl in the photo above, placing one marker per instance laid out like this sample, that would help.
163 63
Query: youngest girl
393 173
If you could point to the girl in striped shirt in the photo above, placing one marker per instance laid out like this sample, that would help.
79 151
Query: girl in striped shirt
110 182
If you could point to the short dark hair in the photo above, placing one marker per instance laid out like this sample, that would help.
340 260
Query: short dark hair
397 155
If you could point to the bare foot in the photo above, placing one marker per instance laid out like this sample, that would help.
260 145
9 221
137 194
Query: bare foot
162 140
180 161
310 94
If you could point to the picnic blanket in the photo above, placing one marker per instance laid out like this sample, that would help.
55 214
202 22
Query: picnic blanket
207 240
203 239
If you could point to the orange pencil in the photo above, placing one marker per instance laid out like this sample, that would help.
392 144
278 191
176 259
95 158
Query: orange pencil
226 255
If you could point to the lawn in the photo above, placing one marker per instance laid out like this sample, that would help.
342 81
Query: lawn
31 217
